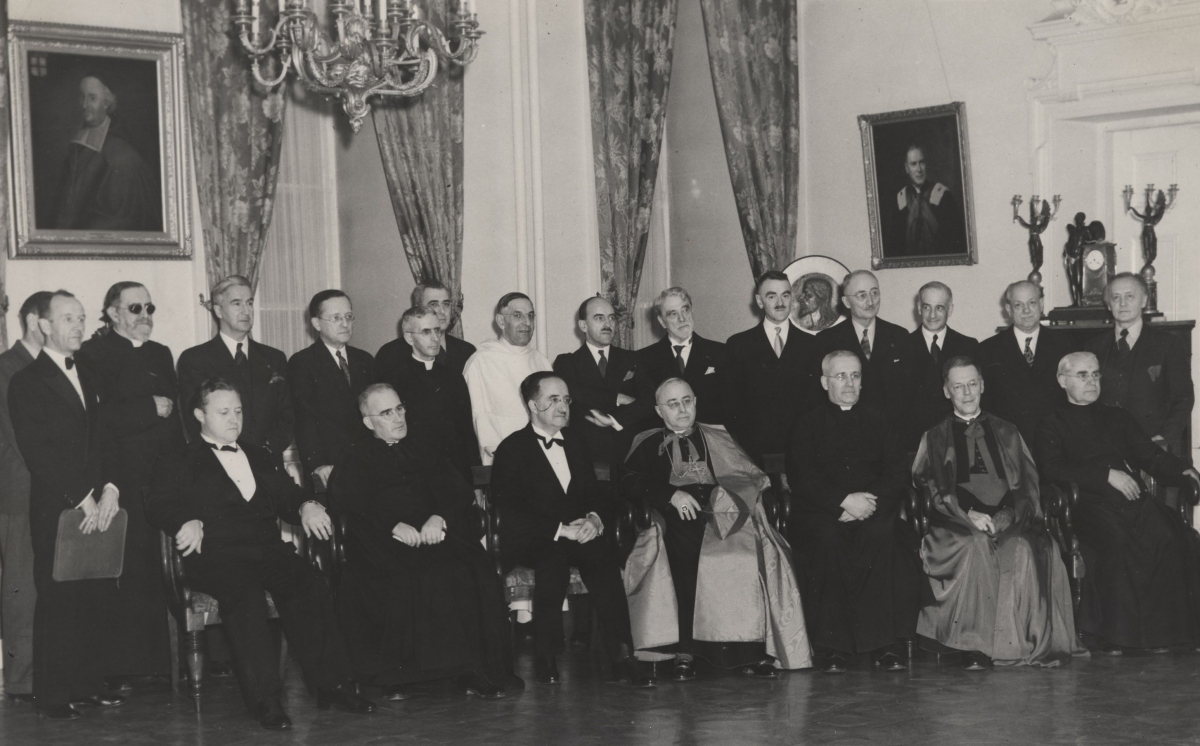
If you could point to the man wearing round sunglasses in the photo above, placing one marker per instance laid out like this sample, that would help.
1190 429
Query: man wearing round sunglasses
137 391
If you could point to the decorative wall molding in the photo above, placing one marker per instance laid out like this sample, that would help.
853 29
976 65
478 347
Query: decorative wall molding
1112 11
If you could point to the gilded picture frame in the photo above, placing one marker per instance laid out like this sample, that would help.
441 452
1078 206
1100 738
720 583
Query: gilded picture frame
99 143
920 202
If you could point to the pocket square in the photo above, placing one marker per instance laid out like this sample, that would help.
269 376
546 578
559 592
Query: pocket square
710 371
628 376
1154 371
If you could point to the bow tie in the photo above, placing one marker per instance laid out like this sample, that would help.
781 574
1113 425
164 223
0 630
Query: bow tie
70 363
215 447
550 442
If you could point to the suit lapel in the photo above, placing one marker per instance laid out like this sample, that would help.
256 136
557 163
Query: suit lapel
586 364
537 451
61 385
697 362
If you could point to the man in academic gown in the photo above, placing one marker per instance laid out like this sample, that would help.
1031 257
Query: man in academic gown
859 576
494 374
221 499
62 438
933 343
682 354
884 350
436 401
138 391
454 352
710 550
1142 585
420 599
770 374
1020 363
998 589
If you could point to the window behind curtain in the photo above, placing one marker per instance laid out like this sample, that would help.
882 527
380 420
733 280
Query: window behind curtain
301 255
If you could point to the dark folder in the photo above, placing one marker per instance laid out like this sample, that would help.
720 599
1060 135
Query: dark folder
79 556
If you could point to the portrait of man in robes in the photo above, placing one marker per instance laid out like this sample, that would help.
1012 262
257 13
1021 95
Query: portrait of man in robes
999 591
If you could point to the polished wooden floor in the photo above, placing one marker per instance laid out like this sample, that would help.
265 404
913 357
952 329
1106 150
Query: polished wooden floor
1133 699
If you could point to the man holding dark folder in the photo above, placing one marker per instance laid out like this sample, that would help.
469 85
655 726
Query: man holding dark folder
55 420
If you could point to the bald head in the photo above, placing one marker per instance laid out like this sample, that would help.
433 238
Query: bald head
96 100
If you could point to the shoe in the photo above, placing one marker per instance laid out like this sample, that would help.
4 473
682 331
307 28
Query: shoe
270 715
1158 651
684 670
544 670
119 684
975 661
220 670
625 671
761 670
100 700
834 662
396 693
19 697
59 712
479 685
344 698
1107 648
890 662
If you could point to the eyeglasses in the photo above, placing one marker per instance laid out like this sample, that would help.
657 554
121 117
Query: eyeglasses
680 405
136 308
431 332
844 377
394 413
339 318
862 296
518 316
1084 376
554 401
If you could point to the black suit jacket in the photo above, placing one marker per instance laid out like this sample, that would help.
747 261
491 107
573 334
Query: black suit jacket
269 419
889 377
764 393
327 416
1016 391
189 483
1158 390
590 390
64 444
528 495
454 354
705 366
438 410
14 477
930 405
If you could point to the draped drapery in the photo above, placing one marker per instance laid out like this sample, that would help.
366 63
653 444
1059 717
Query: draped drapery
421 144
236 131
752 53
629 48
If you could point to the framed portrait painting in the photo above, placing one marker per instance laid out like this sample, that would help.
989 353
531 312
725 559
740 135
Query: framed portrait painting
98 143
919 200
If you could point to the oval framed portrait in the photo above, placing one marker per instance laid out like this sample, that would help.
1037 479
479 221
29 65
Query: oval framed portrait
816 281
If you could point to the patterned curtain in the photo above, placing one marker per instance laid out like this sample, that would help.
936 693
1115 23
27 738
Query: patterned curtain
752 52
237 128
421 144
629 46
4 216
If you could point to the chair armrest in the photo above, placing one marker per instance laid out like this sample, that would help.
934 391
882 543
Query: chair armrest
173 580
917 507
492 536
1189 498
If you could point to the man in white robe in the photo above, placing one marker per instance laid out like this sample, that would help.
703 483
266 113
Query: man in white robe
494 374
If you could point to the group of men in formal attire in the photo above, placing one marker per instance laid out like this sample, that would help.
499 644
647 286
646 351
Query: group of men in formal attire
858 415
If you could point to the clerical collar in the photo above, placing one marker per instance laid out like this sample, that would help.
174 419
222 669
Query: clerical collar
93 138
1135 331
845 408
427 363
386 442
135 342
967 420
232 344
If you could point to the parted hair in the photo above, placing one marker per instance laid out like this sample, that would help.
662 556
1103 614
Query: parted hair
508 298
43 302
1126 276
583 307
418 291
209 387
770 274
532 385
412 315
827 361
113 297
672 292
314 305
230 282
935 285
959 361
34 304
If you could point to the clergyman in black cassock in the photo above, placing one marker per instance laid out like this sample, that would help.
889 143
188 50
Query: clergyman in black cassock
420 598
856 561
1141 588
454 353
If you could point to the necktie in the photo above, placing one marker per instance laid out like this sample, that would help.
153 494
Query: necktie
603 363
231 449
935 351
341 360
866 345
679 358
1122 344
549 443
239 358
779 341
71 360
1028 350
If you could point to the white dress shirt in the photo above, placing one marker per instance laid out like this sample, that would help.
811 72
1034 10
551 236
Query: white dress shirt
941 338
1135 331
685 353
72 375
557 456
1022 336
771 326
858 332
607 349
334 352
236 465
232 344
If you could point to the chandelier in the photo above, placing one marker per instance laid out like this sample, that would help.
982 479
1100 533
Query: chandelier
380 47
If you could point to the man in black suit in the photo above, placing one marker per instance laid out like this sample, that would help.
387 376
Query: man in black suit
221 499
454 352
1146 370
769 375
605 409
58 428
546 491
258 371
434 393
17 592
933 343
682 354
1020 364
326 379
884 349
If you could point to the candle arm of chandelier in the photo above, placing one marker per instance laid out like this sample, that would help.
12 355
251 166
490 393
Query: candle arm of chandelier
256 69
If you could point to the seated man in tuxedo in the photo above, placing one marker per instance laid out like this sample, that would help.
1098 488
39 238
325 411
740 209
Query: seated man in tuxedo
711 577
859 576
419 599
999 591
1142 585
933 343
453 353
682 354
221 499
545 489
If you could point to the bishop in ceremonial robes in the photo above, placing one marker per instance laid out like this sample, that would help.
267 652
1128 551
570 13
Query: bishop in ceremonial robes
998 588
859 573
1142 585
711 556
420 598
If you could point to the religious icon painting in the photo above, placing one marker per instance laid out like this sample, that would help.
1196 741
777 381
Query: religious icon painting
816 290
98 125
919 198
